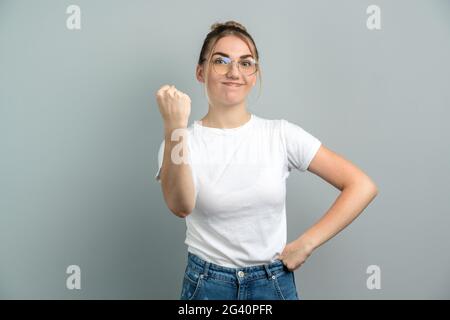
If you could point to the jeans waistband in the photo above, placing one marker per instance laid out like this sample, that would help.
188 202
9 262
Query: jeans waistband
206 268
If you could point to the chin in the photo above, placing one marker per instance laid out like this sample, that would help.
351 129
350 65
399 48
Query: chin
232 103
233 98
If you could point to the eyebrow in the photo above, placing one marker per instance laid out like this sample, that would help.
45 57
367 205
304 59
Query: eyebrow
225 55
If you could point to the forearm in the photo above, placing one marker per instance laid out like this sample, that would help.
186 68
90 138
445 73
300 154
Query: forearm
352 200
176 176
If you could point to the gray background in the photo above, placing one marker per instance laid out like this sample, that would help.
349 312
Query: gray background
80 131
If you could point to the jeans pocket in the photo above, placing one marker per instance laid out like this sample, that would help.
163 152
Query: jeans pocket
191 284
285 285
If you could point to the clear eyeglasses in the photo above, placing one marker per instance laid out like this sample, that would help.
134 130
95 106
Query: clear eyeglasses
247 66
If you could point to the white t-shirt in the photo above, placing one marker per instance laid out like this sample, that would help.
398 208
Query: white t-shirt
239 175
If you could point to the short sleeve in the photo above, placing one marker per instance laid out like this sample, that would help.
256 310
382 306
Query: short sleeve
301 146
160 160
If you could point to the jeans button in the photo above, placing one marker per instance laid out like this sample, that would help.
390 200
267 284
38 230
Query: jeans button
241 273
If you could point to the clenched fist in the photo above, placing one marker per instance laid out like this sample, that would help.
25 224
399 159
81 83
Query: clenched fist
174 106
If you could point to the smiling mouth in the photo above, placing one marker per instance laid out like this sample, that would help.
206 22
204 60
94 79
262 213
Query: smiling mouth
232 84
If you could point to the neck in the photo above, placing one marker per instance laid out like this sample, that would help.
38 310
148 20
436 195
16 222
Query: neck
226 116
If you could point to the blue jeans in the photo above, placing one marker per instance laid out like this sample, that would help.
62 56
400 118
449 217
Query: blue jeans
207 281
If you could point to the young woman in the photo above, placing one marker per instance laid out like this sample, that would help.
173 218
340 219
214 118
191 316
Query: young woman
226 174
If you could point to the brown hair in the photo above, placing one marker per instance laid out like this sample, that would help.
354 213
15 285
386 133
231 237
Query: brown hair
220 30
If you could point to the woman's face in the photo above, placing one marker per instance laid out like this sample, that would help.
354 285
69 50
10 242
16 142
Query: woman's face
218 91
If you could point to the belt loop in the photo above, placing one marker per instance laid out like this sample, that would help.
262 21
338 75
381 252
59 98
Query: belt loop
269 273
205 269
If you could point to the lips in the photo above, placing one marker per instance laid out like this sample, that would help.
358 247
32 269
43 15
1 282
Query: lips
232 84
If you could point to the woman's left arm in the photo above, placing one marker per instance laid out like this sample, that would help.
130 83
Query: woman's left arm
357 191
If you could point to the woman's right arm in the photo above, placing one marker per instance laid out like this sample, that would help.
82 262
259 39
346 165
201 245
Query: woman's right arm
176 176
176 179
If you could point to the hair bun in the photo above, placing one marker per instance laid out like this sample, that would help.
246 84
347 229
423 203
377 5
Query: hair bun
230 23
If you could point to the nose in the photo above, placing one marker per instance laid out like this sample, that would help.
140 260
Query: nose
233 70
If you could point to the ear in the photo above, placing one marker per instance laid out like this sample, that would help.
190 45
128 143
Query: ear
199 73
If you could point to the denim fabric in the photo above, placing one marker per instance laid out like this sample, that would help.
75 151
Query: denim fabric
207 281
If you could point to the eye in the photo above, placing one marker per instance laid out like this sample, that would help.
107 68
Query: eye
246 63
219 61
